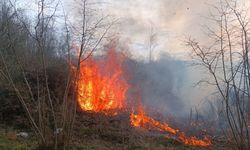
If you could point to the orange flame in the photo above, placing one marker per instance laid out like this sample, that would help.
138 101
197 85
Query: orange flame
194 140
101 86
141 120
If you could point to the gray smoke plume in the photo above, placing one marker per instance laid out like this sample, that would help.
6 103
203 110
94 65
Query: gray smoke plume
159 83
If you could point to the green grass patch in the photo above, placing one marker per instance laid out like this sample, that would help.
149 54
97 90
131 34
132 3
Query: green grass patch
9 141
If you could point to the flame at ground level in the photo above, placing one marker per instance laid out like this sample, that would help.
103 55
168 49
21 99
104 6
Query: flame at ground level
141 120
144 121
101 87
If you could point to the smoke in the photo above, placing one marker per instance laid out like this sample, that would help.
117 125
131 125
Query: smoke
160 84
172 21
166 83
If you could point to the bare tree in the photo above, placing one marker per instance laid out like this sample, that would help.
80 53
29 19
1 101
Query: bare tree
52 123
152 42
227 61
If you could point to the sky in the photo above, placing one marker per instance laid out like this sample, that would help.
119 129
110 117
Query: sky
172 21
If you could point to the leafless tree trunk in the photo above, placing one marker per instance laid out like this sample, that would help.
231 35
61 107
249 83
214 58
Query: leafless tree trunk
152 43
226 59
53 124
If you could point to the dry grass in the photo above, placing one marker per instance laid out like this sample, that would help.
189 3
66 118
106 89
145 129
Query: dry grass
100 132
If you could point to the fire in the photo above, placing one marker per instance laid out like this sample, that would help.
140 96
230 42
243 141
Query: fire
101 86
144 121
141 120
194 140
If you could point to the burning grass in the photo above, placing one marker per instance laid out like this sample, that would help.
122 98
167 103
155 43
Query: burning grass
115 132
97 131
101 88
116 126
144 121
103 132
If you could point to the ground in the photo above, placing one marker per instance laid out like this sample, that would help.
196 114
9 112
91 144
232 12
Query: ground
100 132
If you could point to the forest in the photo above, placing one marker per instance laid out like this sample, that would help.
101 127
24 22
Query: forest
70 80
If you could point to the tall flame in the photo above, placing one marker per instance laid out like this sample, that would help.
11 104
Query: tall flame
142 120
101 86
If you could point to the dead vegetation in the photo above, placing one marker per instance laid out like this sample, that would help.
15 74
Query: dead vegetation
101 132
38 95
226 58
